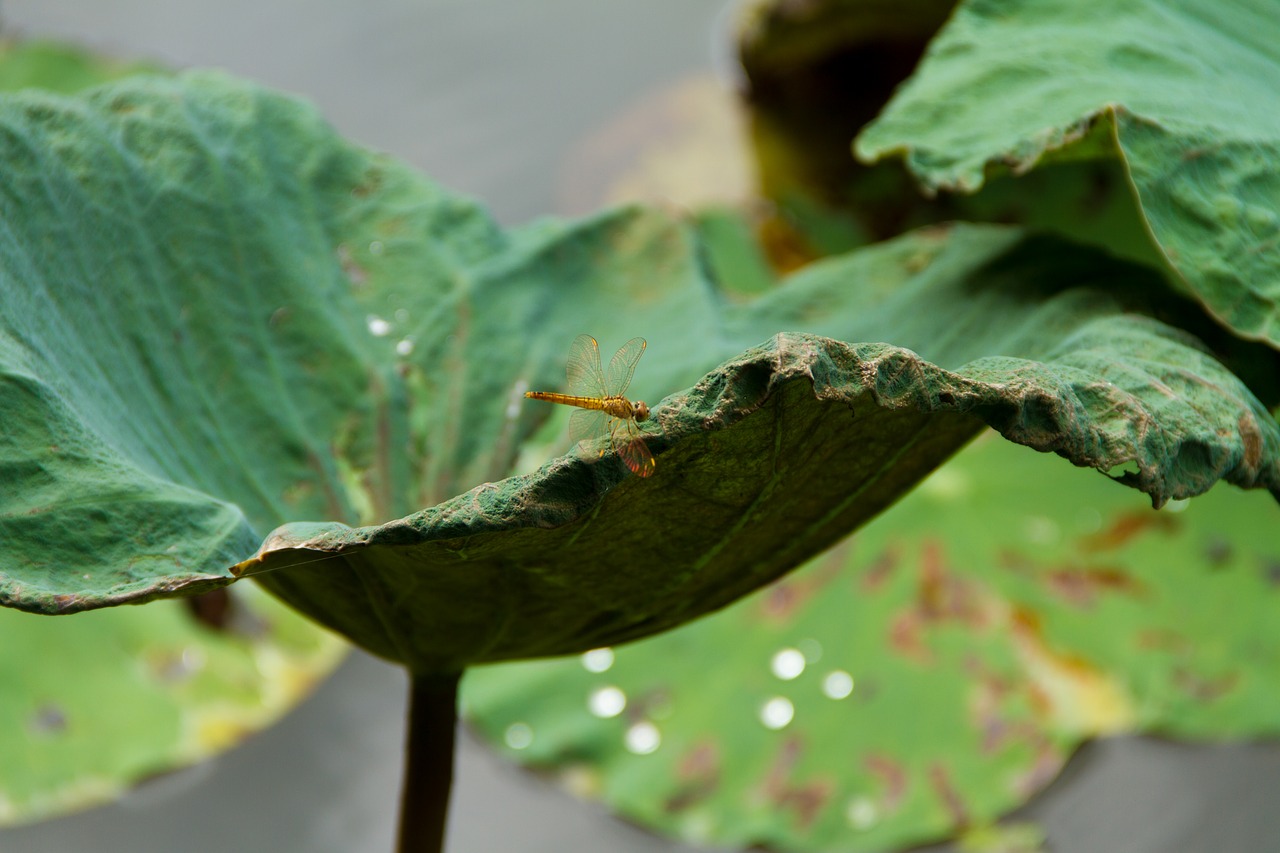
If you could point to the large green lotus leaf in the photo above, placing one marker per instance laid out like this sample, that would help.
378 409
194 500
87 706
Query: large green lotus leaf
219 317
91 706
1183 93
135 691
928 674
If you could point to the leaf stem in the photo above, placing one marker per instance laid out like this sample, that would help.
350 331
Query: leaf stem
428 761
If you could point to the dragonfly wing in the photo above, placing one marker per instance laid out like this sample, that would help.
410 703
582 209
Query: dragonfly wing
583 368
587 425
623 365
629 444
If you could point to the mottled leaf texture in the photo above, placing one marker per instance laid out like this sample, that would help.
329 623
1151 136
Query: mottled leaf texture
136 692
1182 91
217 317
925 676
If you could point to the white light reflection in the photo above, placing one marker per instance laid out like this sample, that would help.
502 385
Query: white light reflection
597 660
838 684
862 813
607 702
643 738
777 713
518 735
787 664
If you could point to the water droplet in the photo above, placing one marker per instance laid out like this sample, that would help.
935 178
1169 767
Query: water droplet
378 327
1177 505
1089 520
643 738
518 735
607 702
777 713
787 664
376 247
404 347
838 684
811 649
402 315
862 813
597 660
1041 530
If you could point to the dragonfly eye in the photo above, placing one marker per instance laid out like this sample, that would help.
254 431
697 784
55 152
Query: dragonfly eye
640 410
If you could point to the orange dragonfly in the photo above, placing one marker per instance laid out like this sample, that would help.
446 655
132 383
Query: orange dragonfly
602 408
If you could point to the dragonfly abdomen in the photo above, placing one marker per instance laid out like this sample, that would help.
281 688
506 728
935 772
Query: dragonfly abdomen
617 407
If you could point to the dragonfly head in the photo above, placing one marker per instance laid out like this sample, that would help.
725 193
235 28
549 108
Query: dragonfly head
639 410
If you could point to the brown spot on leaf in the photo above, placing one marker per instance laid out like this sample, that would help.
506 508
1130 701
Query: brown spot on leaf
1251 435
940 781
1083 587
945 596
892 777
1204 688
876 575
942 597
369 184
805 799
356 274
698 777
906 637
1127 527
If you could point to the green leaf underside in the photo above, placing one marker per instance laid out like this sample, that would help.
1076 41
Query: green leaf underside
1187 88
136 692
218 318
940 665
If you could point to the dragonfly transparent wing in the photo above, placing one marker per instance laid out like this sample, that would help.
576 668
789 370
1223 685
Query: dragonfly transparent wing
587 425
583 368
623 365
629 444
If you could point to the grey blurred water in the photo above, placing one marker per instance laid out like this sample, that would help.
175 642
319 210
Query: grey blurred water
487 97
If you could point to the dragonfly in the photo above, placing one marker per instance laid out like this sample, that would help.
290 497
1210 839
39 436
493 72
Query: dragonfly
602 408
